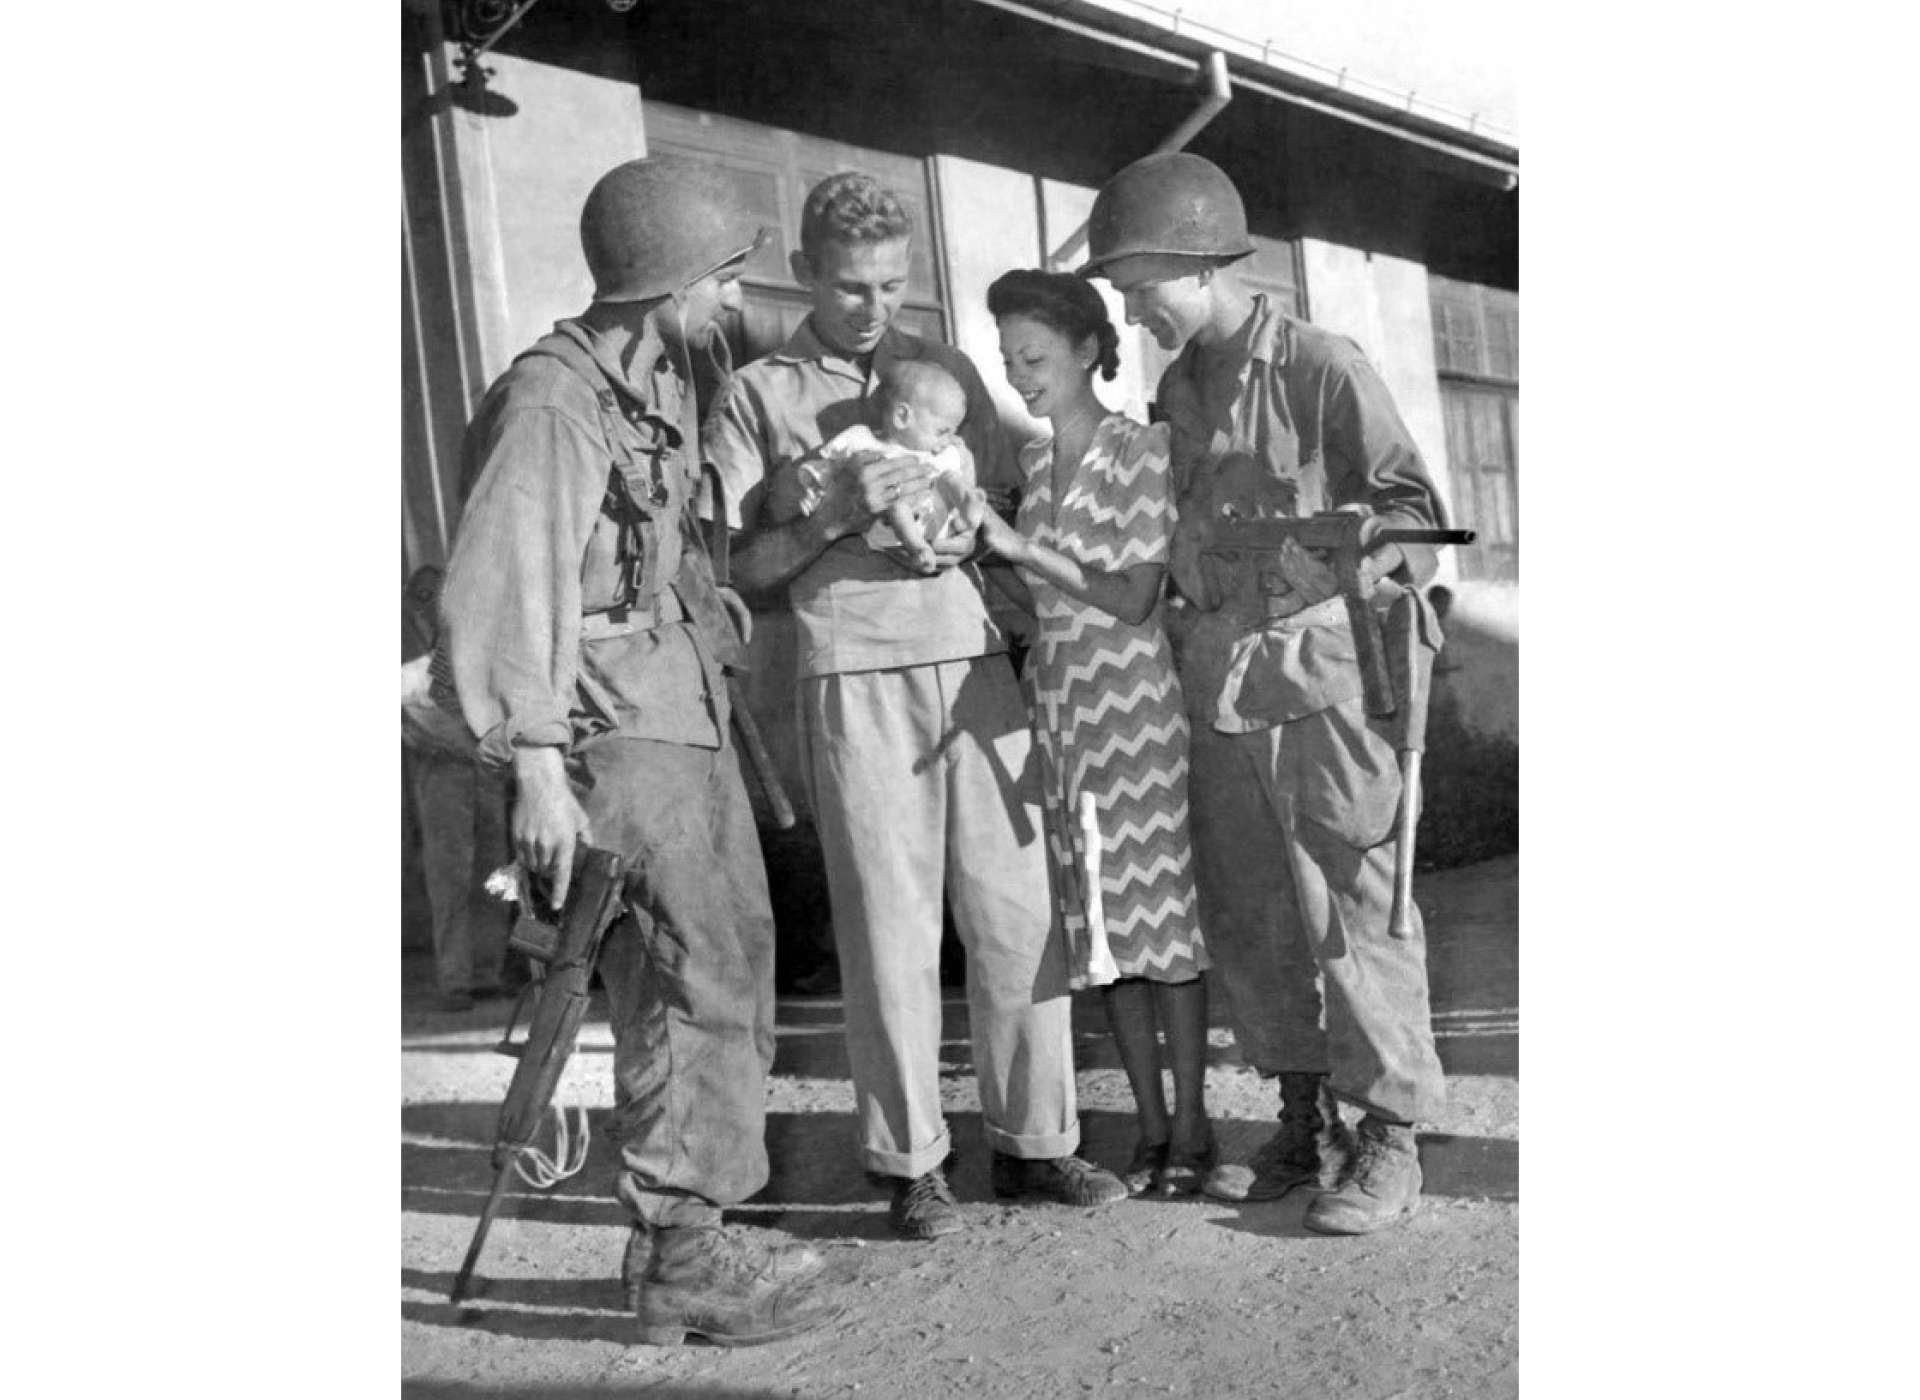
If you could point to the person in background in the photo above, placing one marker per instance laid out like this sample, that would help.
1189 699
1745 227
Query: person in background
461 810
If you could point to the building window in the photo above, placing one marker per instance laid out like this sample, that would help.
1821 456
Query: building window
1476 345
774 170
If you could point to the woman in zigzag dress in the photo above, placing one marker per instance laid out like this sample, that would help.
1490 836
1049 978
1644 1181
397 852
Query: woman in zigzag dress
1090 540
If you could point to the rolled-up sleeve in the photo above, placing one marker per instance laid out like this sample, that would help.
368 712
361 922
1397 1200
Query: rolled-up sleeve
1372 459
511 607
730 443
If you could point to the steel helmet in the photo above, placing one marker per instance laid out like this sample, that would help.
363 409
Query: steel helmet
1176 203
655 226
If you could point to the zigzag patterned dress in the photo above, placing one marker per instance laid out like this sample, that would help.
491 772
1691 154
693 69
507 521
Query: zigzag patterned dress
1109 714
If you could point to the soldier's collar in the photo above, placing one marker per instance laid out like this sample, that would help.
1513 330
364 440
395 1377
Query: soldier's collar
805 346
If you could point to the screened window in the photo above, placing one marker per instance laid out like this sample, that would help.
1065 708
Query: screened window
1476 344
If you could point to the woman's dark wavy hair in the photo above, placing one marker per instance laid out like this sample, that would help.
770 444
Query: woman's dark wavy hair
1063 301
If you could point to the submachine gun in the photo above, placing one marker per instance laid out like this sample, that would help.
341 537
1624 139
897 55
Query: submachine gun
1394 680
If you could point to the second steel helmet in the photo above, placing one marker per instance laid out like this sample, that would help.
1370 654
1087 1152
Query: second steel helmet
1177 203
654 226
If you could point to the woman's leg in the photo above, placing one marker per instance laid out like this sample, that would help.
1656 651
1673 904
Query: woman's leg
1181 1008
1130 1016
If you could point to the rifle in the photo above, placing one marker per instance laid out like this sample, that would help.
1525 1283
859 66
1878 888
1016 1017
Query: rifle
563 947
718 544
1406 690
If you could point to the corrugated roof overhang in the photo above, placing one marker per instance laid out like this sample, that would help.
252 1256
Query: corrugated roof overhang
1465 144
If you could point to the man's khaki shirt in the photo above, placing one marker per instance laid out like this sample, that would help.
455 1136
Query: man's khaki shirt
857 609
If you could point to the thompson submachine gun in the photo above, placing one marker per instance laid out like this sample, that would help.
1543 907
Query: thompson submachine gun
564 948
1338 534
1392 684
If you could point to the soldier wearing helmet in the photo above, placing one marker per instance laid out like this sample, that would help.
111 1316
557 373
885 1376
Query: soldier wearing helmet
584 640
1293 789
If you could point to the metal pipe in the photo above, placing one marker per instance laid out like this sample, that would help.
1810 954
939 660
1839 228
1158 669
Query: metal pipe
501 33
1219 94
1503 174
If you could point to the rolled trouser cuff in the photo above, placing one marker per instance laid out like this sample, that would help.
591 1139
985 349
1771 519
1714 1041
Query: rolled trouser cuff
1037 1147
664 1209
917 1162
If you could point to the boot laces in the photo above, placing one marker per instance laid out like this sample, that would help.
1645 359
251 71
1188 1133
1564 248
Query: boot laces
1371 1151
736 1255
931 1186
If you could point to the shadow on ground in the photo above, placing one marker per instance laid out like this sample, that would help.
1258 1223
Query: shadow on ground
460 1390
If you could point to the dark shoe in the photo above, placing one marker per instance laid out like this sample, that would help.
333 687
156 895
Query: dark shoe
703 1281
1068 1180
1149 1160
1381 1185
923 1207
1184 1171
453 1002
1311 1147
787 1263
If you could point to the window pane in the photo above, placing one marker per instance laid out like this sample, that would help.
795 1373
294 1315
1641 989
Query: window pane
1503 342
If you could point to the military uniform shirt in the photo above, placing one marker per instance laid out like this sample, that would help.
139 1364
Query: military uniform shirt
1289 420
535 552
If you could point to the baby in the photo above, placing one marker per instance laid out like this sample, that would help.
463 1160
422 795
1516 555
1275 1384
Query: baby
915 411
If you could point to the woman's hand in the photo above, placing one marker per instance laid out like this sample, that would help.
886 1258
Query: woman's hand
995 533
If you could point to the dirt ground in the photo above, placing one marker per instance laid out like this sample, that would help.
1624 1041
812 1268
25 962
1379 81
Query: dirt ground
1188 1298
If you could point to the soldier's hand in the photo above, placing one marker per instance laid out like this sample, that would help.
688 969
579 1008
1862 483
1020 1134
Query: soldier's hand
792 491
547 822
1307 576
1196 576
855 497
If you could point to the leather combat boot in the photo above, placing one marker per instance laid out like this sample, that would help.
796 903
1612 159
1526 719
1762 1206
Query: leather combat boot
1381 1185
790 1263
699 1279
1311 1147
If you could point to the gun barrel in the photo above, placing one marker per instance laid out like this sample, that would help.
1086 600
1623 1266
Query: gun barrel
754 749
1397 535
465 1276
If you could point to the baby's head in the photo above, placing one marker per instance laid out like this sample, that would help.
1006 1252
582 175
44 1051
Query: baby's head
918 405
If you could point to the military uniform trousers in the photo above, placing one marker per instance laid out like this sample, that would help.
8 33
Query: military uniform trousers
688 970
919 780
1292 828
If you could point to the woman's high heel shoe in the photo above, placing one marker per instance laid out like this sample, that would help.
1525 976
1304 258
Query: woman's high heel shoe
1182 1172
1143 1172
